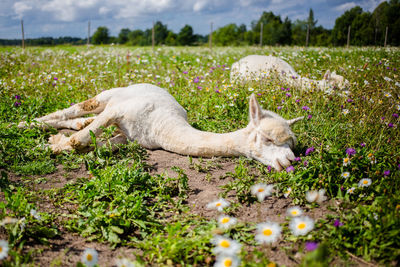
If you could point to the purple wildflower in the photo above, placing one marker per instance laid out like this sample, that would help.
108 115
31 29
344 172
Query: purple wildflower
269 168
386 173
395 115
311 246
217 91
18 97
185 72
390 125
362 145
279 108
309 116
337 223
305 108
350 151
297 159
196 80
17 104
309 150
55 78
290 169
349 100
288 95
297 100
72 103
199 87
305 163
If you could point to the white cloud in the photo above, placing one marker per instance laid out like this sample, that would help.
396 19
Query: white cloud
345 6
21 7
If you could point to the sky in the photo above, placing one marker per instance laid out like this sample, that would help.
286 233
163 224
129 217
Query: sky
56 18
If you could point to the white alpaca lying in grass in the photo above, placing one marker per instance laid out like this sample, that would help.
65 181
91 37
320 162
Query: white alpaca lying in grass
256 66
151 116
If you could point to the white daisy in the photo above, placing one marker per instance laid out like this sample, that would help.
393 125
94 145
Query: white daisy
294 211
3 249
124 262
90 257
301 225
387 94
364 182
345 111
351 190
261 191
225 245
287 193
345 175
316 196
346 161
219 204
268 232
227 261
226 222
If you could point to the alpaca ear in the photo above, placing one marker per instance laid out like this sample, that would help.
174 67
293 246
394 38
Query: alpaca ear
293 121
327 75
254 110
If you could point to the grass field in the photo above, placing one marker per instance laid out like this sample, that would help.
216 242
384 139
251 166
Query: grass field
150 206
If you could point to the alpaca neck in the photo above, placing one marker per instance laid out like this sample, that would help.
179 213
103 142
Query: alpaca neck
306 83
187 140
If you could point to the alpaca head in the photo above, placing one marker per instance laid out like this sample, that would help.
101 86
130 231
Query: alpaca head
335 80
270 138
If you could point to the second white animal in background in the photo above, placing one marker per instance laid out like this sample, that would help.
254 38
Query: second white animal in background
258 66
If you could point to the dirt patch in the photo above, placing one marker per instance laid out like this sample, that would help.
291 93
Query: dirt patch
204 179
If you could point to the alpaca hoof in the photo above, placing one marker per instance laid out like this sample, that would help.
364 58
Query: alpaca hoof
59 143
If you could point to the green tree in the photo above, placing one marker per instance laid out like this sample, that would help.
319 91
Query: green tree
101 36
138 37
274 30
185 36
339 32
227 35
123 36
160 32
171 38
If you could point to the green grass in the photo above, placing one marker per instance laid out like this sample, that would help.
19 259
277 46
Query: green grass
124 205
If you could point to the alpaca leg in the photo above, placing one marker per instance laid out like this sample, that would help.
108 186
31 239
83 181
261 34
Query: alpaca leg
86 107
74 124
82 138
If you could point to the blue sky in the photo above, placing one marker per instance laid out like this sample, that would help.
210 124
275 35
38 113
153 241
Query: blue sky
57 18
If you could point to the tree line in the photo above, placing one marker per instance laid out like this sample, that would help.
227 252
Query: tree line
367 28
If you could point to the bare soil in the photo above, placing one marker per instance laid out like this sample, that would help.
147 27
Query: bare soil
67 249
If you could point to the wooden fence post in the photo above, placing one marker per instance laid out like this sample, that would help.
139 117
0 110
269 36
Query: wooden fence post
210 37
88 34
261 34
153 37
308 34
348 37
386 34
23 34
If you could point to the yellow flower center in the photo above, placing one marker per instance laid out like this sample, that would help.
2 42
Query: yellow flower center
301 226
227 262
1 249
225 244
260 190
225 220
271 264
365 182
370 155
294 212
89 257
218 204
267 232
346 160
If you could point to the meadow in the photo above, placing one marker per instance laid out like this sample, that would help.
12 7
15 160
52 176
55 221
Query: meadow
151 208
